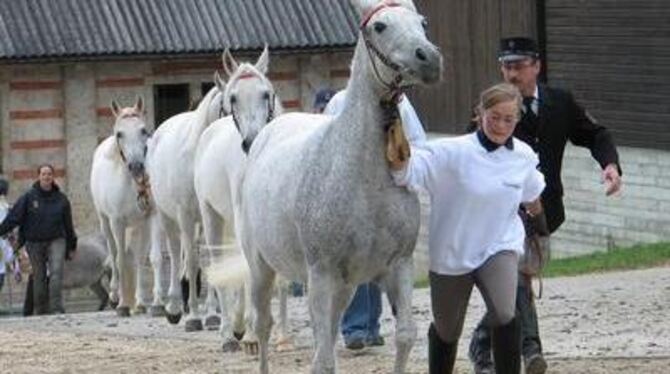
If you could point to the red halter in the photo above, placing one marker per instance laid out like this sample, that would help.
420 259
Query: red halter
246 76
375 10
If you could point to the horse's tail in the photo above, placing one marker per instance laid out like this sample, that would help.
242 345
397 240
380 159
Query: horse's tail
232 271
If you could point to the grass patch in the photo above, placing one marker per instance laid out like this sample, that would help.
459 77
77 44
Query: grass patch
636 257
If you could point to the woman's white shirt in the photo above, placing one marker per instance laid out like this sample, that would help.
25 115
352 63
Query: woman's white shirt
475 196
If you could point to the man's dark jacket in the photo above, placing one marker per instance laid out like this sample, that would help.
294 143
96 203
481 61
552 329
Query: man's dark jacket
42 216
560 119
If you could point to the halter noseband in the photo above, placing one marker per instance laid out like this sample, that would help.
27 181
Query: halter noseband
394 85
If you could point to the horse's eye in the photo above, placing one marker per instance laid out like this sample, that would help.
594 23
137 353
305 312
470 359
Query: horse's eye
119 135
144 132
379 27
424 23
266 95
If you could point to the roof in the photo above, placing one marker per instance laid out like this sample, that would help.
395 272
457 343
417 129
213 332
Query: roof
39 29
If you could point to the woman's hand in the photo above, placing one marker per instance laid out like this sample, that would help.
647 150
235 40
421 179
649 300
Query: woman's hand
397 147
533 208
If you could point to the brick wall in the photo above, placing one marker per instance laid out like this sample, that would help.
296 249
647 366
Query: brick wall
58 113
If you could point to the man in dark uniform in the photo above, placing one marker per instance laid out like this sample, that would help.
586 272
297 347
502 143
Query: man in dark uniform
550 118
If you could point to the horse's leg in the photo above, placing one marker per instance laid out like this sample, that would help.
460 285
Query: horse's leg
140 250
262 279
106 229
126 276
174 307
187 237
213 227
241 324
100 291
328 296
399 285
284 340
156 259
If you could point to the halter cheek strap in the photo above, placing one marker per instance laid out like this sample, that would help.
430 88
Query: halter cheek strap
394 85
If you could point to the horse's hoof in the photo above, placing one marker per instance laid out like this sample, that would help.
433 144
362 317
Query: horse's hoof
194 324
238 335
140 309
250 347
113 304
157 311
213 322
123 311
173 318
284 344
231 345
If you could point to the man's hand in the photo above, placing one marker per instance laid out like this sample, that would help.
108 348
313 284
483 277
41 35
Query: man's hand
612 179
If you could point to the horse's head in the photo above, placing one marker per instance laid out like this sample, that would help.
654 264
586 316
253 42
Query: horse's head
395 37
131 135
249 96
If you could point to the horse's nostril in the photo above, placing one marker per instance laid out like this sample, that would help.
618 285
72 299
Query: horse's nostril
420 54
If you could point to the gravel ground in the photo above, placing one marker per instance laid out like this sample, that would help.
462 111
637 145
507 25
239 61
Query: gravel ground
608 323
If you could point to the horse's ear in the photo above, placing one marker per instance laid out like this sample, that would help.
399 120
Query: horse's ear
363 6
219 82
139 105
229 63
263 61
115 108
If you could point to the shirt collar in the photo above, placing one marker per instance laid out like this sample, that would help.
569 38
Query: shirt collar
491 146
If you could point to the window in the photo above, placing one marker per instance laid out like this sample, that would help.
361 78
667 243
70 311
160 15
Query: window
170 99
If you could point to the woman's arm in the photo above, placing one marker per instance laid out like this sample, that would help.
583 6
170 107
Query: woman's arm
15 216
424 166
70 235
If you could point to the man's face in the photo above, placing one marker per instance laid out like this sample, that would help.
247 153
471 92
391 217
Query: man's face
522 73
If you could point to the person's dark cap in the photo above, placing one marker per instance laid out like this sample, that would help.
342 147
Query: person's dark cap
322 98
517 48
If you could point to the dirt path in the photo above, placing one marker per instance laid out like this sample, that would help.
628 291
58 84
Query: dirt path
612 323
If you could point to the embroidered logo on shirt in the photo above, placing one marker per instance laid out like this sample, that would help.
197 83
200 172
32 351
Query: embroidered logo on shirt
512 185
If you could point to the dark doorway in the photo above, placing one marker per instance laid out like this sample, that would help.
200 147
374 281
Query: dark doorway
170 99
205 87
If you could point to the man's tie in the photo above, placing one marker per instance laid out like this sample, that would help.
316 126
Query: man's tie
528 105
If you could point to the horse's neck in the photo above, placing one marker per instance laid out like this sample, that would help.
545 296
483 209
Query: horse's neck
201 118
359 131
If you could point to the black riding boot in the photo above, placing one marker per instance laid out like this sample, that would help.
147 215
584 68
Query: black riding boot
506 341
441 355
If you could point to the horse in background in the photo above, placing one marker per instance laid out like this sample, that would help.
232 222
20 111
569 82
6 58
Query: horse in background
220 159
120 191
170 167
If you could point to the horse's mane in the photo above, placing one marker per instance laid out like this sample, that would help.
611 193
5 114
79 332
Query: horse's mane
200 116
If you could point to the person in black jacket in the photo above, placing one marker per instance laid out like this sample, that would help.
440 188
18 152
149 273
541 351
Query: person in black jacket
551 117
44 218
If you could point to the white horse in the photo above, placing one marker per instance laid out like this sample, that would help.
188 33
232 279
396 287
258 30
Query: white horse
318 202
170 167
120 195
219 161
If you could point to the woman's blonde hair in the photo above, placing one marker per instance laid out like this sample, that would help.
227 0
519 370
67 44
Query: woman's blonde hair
494 95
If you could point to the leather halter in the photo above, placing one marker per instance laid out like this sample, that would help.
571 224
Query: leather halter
394 85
